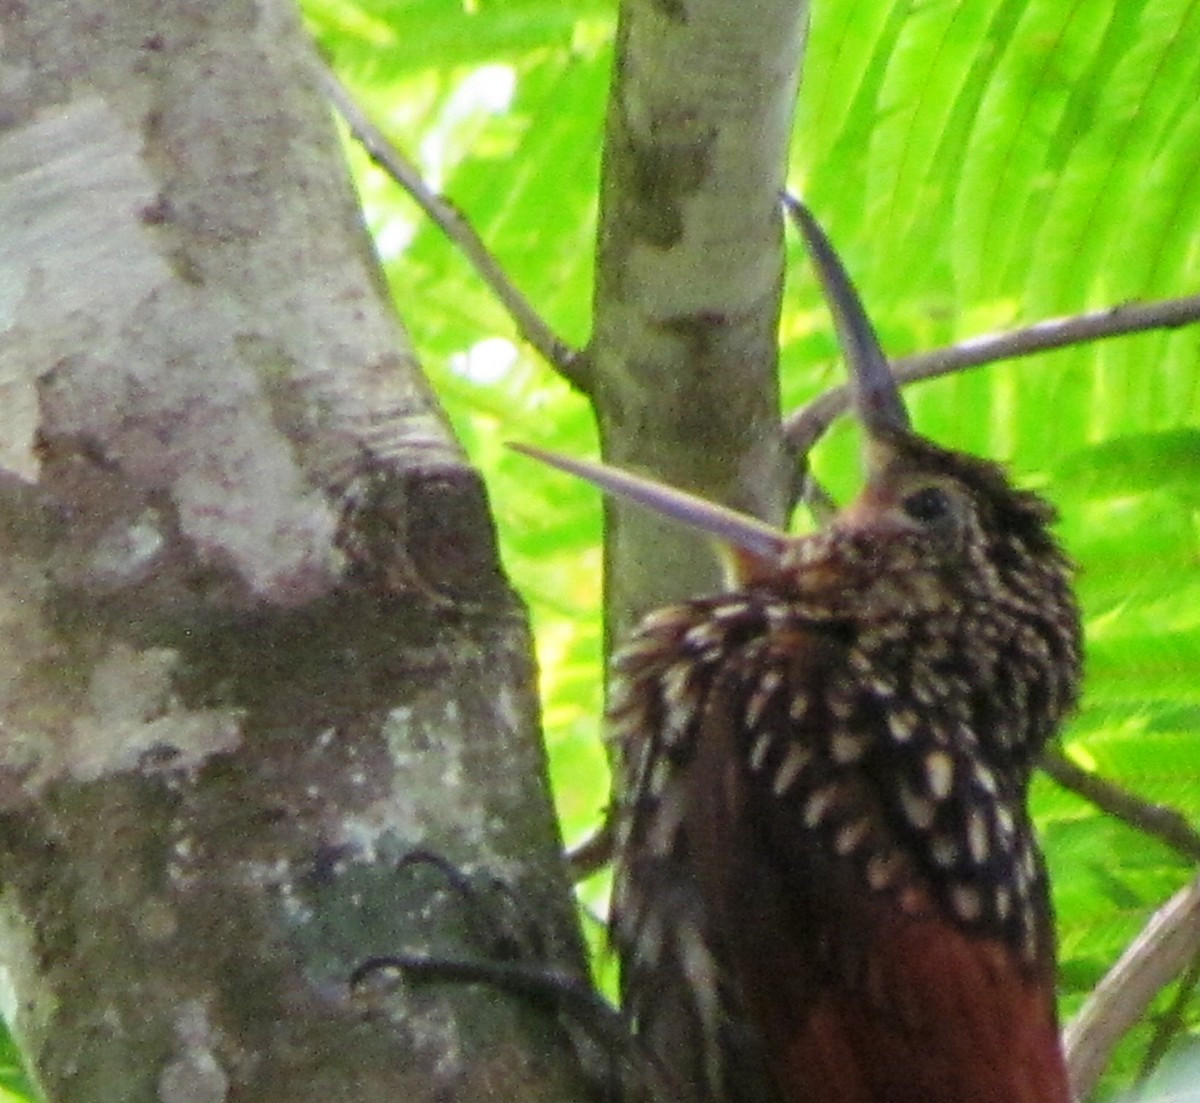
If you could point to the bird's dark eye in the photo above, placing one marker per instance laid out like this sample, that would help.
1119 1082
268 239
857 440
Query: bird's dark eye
927 505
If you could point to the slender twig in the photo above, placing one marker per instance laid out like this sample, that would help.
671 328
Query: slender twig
568 362
1162 822
593 854
1167 943
803 428
819 501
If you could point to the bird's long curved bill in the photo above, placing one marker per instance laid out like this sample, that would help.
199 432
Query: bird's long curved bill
876 397
737 530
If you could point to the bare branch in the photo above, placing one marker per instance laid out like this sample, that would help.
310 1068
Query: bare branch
1163 949
1163 823
593 854
570 363
805 427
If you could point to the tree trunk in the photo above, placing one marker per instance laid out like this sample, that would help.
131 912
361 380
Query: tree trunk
685 349
256 645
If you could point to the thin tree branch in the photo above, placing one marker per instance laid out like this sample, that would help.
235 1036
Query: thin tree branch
593 854
1163 949
805 427
1163 823
570 363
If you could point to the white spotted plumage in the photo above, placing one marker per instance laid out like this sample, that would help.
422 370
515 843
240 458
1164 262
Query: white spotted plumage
893 748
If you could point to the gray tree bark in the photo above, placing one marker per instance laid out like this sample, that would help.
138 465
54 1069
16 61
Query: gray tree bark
684 353
256 648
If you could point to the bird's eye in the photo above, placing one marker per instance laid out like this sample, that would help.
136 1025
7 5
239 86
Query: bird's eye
927 505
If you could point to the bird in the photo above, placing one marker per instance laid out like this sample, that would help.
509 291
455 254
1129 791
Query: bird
827 886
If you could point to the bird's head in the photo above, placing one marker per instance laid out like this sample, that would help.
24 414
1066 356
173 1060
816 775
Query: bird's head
931 527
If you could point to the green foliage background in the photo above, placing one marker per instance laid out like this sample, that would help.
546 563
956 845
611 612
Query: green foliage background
981 165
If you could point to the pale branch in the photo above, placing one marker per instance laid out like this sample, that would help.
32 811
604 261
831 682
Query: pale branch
1158 820
570 363
805 427
1159 954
